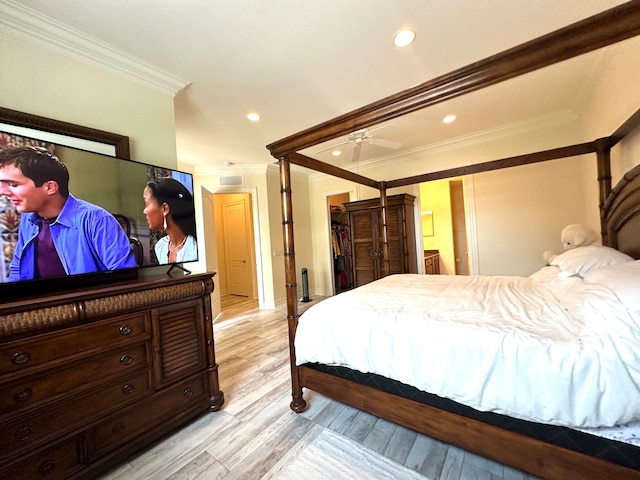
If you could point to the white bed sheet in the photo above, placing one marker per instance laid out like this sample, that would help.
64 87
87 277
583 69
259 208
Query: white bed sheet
561 352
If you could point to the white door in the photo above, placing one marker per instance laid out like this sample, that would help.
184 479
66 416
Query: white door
237 247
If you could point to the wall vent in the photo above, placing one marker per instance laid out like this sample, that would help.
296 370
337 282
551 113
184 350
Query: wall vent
231 180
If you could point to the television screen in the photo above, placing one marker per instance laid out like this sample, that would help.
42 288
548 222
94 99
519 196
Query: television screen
104 215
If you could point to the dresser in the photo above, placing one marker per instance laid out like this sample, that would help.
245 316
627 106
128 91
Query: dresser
367 237
88 377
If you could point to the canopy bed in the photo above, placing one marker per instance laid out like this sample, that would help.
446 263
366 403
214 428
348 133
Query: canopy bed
566 449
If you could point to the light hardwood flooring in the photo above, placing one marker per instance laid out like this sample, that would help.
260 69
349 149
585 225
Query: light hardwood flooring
256 431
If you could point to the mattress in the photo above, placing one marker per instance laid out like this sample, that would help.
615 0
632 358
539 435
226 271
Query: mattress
558 352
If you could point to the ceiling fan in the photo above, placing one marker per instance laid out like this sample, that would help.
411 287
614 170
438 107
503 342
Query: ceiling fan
361 136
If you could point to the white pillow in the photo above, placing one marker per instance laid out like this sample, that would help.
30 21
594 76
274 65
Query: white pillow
580 261
623 279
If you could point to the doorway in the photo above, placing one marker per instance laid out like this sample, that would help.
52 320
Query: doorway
459 227
445 224
340 242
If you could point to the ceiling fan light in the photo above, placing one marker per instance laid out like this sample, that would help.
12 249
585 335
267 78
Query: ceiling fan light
449 119
404 37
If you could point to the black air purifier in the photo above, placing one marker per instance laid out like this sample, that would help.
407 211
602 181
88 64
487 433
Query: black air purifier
305 286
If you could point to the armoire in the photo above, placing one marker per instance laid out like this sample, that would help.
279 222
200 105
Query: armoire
365 221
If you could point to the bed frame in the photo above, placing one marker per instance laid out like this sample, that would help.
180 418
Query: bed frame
620 226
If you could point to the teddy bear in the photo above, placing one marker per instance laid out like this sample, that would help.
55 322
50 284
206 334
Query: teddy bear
572 236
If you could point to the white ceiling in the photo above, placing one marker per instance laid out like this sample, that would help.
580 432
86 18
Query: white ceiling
299 63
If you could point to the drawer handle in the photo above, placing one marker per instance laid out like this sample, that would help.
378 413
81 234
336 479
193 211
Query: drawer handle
23 433
126 359
20 358
125 329
22 395
187 392
127 389
117 428
47 468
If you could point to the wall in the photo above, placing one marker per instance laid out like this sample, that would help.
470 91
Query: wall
522 210
613 96
255 184
51 85
627 154
519 212
508 241
44 83
41 82
264 187
302 231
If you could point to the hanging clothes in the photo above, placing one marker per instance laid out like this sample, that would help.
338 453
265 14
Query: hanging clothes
341 256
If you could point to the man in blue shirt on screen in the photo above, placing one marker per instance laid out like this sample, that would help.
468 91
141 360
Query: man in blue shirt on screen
59 234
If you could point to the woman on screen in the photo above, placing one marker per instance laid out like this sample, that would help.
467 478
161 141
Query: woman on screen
168 206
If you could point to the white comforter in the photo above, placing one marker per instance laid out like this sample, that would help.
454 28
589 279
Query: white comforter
562 352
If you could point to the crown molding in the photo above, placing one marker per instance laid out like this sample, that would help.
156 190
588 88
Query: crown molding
500 132
38 29
497 133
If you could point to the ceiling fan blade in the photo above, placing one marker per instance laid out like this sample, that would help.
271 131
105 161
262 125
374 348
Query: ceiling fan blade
386 143
355 155
333 146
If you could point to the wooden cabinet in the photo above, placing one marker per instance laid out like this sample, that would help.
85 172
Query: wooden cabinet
432 262
90 376
367 237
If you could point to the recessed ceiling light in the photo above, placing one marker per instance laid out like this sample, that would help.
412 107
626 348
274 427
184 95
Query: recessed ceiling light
404 37
254 117
449 119
228 164
336 153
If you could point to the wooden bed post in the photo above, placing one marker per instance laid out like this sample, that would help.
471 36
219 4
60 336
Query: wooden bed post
603 152
385 233
297 403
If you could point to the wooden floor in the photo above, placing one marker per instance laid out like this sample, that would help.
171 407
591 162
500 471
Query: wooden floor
255 430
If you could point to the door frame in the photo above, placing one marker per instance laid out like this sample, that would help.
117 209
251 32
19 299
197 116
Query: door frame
471 224
231 237
350 189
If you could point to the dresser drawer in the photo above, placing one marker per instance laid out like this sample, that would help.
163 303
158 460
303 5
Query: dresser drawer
19 355
29 391
58 462
32 429
127 424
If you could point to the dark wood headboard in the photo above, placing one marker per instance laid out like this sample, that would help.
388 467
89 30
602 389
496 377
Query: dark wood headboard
621 215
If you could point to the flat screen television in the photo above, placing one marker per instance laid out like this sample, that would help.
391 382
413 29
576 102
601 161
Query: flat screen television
139 202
